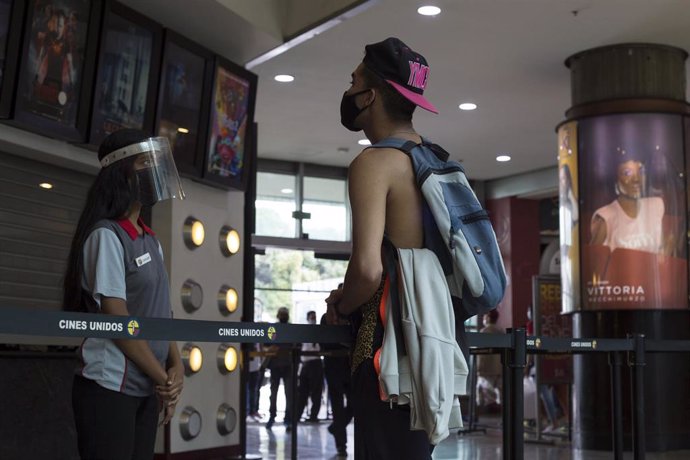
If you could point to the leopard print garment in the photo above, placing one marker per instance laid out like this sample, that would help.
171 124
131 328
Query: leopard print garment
364 345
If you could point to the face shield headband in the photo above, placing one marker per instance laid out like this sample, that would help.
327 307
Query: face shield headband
154 167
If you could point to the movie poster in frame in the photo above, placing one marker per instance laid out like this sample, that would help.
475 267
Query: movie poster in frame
57 66
184 96
127 75
231 117
11 20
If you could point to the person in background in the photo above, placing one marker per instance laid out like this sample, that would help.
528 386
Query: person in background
310 378
280 366
337 372
254 380
489 369
116 267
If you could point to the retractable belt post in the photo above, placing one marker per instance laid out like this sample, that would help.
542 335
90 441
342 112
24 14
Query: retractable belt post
616 404
507 402
636 361
294 416
519 359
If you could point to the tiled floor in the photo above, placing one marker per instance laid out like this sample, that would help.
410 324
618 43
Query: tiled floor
315 443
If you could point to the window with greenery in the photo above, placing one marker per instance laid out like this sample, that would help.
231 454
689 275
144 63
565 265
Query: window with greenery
294 279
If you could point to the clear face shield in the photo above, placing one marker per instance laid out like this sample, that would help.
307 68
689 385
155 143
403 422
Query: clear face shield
154 168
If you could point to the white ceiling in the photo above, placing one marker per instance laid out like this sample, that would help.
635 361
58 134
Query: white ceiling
505 55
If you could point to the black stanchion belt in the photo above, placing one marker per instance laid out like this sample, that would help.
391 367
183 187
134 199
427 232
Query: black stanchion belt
48 323
68 324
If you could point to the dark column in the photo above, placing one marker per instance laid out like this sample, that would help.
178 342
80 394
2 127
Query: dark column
516 222
625 79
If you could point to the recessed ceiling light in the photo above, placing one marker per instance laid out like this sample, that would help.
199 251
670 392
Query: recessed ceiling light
284 78
183 130
364 142
428 10
46 185
467 106
286 190
503 158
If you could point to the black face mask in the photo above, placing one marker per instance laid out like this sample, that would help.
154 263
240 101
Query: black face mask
349 110
145 190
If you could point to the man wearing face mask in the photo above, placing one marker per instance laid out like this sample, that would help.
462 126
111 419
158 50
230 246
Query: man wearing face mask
386 88
631 221
310 377
280 367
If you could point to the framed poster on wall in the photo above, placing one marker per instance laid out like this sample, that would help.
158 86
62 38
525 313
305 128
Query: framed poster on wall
184 96
11 20
231 117
128 68
57 67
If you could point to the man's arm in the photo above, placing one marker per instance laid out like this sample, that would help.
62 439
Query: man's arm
368 187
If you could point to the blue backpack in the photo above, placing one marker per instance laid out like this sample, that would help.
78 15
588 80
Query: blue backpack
456 228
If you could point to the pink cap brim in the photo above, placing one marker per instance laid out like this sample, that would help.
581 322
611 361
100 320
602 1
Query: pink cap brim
416 99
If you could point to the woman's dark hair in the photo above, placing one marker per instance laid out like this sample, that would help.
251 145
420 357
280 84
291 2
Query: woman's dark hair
396 105
110 197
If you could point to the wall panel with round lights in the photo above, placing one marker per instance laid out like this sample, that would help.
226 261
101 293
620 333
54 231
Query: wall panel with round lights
207 282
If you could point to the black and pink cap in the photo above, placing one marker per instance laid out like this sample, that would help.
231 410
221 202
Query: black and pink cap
402 68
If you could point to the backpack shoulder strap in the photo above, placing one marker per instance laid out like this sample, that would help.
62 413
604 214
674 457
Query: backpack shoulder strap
395 143
408 146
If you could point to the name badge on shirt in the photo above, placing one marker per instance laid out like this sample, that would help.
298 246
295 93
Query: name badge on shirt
143 260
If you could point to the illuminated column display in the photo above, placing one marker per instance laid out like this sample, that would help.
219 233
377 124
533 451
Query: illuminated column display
628 208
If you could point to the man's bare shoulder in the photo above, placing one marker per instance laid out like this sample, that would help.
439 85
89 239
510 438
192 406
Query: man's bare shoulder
379 159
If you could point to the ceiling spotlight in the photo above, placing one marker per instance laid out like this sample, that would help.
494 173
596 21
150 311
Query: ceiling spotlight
183 130
467 106
46 185
428 10
503 158
193 232
284 78
192 358
364 142
229 241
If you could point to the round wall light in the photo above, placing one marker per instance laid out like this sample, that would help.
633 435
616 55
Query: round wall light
226 419
226 358
227 300
192 296
192 358
229 241
190 423
193 232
